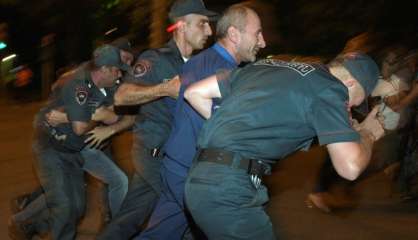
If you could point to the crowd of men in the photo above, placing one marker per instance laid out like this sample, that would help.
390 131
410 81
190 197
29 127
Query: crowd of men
208 130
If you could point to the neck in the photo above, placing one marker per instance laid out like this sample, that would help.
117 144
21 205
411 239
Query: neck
184 47
95 77
230 48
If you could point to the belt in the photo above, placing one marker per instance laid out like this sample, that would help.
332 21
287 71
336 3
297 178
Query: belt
222 157
254 167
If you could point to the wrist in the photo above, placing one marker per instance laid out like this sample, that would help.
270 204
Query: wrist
165 89
112 130
367 135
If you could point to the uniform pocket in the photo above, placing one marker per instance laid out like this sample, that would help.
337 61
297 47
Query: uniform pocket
260 198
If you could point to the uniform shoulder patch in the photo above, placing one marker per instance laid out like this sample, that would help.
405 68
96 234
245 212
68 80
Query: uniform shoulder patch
81 94
142 67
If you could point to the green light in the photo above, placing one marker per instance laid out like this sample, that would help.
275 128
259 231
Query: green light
3 45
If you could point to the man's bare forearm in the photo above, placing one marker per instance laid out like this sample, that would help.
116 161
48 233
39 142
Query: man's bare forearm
366 142
133 94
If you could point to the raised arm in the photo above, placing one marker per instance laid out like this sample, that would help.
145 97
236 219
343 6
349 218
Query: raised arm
200 95
133 93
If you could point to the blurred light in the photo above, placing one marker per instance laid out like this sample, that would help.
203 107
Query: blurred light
8 58
173 27
3 45
111 30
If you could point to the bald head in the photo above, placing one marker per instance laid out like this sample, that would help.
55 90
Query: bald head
234 16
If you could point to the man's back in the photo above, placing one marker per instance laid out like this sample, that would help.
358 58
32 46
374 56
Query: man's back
272 107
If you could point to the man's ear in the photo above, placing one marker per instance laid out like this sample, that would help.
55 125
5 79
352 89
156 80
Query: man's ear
181 25
234 34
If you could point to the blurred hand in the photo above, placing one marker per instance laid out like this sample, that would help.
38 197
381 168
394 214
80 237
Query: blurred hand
103 114
394 101
172 87
373 124
56 117
98 136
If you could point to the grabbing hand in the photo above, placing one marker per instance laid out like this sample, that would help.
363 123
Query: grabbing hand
104 114
56 117
172 87
373 124
98 136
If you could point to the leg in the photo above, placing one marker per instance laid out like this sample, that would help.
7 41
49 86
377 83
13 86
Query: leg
102 167
168 220
136 207
60 177
327 177
225 204
33 208
143 193
19 203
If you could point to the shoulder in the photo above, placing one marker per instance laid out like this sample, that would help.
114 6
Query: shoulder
200 59
78 83
157 54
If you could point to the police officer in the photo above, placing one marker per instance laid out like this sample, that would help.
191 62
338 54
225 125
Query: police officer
269 110
239 39
152 70
97 162
58 160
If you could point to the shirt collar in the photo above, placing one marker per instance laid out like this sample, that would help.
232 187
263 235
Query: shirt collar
172 45
224 53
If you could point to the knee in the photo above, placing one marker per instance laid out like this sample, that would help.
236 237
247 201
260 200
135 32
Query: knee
120 181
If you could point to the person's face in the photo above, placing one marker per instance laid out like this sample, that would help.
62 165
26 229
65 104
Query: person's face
389 65
126 57
251 39
197 30
110 75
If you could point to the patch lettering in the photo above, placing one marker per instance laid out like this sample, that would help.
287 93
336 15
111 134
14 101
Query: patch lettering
301 68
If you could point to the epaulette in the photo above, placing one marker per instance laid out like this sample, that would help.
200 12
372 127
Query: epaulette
165 50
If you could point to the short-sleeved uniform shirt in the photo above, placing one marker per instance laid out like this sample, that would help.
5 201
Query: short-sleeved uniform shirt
181 145
153 123
272 108
79 97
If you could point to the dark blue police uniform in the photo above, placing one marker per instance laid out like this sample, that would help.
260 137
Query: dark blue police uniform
168 220
151 130
269 109
58 161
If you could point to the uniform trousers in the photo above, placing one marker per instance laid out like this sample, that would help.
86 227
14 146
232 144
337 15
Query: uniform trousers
143 193
62 178
224 203
168 220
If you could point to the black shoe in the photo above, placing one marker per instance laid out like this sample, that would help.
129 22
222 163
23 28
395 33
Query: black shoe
21 230
20 202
